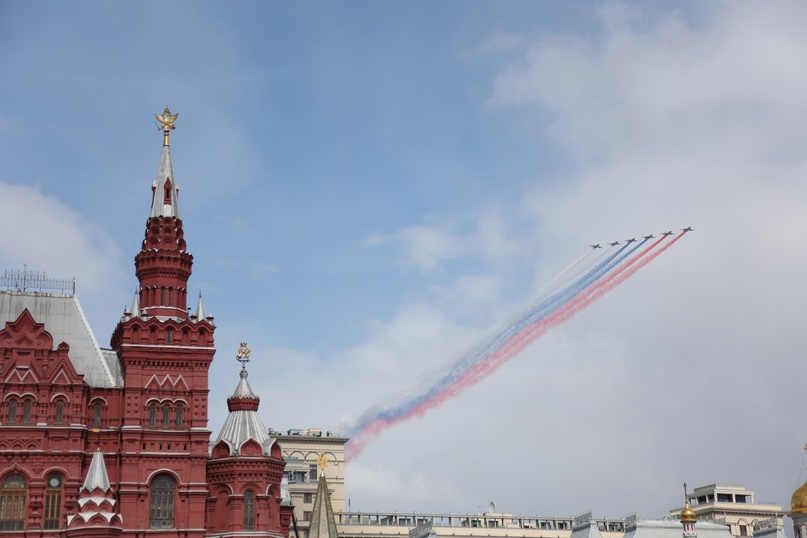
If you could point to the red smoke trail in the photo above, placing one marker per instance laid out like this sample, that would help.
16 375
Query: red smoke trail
516 345
563 314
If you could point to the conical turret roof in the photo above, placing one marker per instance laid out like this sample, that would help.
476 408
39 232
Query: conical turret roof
323 523
166 188
96 502
243 422
97 476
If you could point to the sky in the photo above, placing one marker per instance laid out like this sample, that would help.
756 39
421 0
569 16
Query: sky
371 188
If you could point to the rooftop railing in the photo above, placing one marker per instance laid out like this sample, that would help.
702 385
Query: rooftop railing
490 521
26 280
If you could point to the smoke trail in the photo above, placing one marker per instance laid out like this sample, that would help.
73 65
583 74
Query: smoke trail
453 372
472 368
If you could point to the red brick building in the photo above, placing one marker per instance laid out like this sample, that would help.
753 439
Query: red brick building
114 442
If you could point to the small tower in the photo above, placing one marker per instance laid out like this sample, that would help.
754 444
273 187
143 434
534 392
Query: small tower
323 523
97 511
688 518
245 470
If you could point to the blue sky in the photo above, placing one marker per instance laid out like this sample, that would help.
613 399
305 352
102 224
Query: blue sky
368 188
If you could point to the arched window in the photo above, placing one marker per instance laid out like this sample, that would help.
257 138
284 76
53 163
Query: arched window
96 416
166 416
170 296
162 296
179 416
161 513
53 502
13 493
59 412
249 511
169 335
12 411
153 415
26 411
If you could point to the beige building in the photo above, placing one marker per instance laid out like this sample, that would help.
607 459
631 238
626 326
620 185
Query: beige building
301 451
733 506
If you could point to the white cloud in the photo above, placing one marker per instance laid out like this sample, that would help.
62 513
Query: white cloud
47 236
430 244
388 487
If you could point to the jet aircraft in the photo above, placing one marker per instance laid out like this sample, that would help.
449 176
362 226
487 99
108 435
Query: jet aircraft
631 240
651 236
687 229
595 246
615 243
667 233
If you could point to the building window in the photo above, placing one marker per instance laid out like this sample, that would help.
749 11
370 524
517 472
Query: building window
308 497
26 411
12 503
249 511
59 411
12 411
179 417
153 415
169 335
166 416
162 296
170 296
161 513
743 530
307 515
96 416
312 473
53 502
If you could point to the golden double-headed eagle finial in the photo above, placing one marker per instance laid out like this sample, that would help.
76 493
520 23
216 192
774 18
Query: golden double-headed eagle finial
166 123
322 460
243 354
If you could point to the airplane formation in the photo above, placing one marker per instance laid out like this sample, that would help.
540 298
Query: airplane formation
646 237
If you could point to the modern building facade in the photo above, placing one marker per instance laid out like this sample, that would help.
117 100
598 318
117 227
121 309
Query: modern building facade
88 433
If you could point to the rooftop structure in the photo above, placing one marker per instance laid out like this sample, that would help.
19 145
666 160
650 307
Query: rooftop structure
488 524
731 505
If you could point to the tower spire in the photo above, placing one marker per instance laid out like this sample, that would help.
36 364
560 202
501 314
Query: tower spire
165 188
323 523
163 266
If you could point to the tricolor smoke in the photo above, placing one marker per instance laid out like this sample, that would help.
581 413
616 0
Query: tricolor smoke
555 306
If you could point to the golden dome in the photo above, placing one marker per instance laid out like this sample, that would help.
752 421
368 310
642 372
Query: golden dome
798 502
687 514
